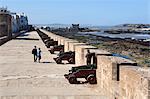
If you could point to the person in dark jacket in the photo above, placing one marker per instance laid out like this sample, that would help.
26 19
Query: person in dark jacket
34 52
88 57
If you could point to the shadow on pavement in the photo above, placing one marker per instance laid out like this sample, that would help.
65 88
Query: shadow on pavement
26 39
47 62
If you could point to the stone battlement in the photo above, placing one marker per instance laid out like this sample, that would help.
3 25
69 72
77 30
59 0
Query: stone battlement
121 78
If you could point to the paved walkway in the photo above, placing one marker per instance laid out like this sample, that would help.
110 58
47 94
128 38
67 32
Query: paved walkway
21 78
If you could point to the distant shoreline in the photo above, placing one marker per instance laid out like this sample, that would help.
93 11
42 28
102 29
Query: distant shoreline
134 49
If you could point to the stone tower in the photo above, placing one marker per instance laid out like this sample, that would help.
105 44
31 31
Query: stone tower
5 22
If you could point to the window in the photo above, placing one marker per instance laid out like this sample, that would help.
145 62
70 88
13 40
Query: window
21 21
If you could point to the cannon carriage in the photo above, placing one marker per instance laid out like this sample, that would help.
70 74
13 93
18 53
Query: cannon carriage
88 74
91 66
51 43
56 48
69 56
47 40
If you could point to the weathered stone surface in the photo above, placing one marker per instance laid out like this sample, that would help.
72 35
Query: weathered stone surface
128 83
99 52
67 47
21 78
72 45
134 82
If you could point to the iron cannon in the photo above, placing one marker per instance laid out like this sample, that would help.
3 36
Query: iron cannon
88 74
51 43
91 66
69 56
47 40
56 48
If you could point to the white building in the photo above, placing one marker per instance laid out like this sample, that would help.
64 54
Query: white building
15 23
23 21
19 22
12 22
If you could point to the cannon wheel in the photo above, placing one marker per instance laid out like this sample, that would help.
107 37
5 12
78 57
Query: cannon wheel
71 60
52 51
91 79
72 80
58 61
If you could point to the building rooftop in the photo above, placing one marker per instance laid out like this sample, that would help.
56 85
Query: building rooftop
4 11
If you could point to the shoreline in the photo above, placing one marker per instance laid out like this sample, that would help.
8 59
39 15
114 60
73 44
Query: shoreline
132 49
141 42
129 36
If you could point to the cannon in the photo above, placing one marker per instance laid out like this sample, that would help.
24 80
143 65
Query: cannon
42 35
88 74
56 48
85 71
47 40
69 56
91 66
51 43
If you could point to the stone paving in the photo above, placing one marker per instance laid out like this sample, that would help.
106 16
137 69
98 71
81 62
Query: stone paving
21 78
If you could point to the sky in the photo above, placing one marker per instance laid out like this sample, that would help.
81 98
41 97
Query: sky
94 12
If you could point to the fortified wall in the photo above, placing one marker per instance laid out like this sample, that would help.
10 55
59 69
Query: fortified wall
120 78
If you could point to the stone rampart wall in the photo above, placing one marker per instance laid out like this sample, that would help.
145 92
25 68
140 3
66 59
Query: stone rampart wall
119 77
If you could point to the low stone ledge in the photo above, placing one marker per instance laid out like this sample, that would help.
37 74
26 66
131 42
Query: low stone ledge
99 52
3 40
51 35
63 39
47 32
67 47
72 45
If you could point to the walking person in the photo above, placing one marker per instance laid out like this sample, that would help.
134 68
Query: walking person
34 52
88 57
39 54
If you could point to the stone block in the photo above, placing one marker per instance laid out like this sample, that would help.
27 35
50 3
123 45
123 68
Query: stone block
62 40
108 73
135 82
72 45
80 55
67 47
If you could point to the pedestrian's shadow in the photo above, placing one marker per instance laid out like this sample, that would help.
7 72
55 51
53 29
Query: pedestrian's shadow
46 62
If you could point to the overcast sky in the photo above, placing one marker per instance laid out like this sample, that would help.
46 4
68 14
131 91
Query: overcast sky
95 12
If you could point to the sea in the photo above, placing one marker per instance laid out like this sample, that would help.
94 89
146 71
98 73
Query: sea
122 36
137 36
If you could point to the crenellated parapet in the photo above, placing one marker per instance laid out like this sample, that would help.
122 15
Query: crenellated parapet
119 78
